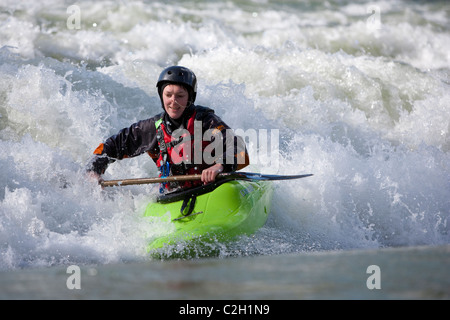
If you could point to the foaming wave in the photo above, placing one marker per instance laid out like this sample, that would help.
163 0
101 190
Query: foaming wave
50 213
365 110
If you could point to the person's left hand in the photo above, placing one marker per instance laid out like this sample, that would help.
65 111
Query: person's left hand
209 174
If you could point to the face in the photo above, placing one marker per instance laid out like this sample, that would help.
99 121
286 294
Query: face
175 99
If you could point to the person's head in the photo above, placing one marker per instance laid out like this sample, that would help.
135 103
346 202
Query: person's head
175 99
177 89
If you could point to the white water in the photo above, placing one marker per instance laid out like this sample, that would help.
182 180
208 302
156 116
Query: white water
366 110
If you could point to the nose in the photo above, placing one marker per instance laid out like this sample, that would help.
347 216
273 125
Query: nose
171 101
176 102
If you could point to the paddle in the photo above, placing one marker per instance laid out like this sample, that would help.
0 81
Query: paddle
231 175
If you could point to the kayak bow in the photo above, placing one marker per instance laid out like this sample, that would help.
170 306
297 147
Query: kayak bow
220 211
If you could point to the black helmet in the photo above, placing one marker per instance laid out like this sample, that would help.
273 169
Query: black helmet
178 75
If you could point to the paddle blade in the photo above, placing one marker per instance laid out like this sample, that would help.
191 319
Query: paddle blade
262 177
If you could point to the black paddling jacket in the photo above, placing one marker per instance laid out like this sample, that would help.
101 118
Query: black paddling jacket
141 137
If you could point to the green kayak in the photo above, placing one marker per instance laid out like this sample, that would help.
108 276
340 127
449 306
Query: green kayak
219 211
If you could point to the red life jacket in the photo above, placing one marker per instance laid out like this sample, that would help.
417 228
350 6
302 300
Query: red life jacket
179 154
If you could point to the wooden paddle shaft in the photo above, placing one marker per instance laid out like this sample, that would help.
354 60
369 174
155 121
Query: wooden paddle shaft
126 182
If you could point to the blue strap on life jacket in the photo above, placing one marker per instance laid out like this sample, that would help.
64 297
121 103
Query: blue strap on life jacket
165 172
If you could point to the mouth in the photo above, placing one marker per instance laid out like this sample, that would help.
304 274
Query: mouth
173 108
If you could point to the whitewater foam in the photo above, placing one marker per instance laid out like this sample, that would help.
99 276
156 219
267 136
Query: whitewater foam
365 110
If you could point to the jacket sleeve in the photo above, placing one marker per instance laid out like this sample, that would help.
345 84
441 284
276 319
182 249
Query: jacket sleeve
128 142
235 155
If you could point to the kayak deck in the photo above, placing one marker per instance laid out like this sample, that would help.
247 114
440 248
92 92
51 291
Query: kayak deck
231 209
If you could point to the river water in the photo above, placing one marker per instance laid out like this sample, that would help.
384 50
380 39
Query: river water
356 93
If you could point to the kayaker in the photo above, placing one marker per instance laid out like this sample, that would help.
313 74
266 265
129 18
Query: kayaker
159 136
